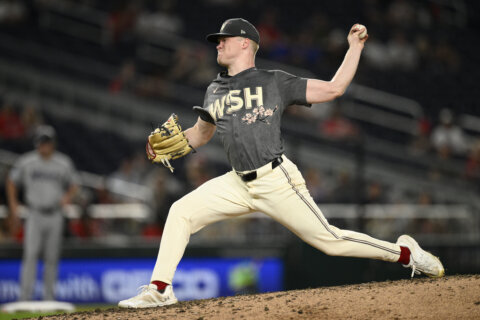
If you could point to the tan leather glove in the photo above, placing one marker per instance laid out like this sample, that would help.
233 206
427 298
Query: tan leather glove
168 142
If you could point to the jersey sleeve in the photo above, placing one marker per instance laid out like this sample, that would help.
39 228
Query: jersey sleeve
293 89
17 172
204 114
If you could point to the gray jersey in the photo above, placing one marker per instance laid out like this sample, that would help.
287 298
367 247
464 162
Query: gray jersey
247 110
44 181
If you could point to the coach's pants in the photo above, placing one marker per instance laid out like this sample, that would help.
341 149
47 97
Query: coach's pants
280 193
43 232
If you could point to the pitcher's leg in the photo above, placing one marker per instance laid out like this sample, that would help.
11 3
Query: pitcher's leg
294 208
218 199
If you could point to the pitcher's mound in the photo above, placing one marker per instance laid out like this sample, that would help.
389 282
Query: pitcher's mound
452 297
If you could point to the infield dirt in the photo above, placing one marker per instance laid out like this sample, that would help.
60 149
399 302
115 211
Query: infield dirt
452 297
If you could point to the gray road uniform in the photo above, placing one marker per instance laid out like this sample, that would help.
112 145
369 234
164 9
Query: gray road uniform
44 182
247 110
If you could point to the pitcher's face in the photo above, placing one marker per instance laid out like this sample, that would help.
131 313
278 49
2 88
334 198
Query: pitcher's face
228 49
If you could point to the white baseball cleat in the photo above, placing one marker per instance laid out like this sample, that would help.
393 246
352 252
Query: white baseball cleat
421 261
150 297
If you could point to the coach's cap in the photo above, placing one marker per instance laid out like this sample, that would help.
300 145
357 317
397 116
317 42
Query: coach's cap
236 27
44 134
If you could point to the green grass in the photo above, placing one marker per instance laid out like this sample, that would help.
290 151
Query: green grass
23 315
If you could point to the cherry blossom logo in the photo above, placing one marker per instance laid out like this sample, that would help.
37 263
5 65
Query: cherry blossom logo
259 114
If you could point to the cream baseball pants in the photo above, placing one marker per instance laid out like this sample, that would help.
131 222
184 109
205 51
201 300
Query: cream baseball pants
281 194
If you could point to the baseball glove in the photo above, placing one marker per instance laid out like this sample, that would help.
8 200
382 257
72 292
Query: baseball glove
168 142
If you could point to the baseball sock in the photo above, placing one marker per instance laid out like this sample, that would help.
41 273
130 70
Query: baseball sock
404 256
160 285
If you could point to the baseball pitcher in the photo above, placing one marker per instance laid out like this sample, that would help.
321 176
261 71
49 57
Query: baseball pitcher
245 106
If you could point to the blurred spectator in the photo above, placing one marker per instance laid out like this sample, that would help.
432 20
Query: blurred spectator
447 138
377 55
375 194
125 180
472 168
336 45
12 11
319 26
275 43
204 71
120 23
192 66
197 170
85 227
160 203
102 195
31 120
182 65
125 80
153 86
344 191
442 169
141 166
127 172
420 145
402 53
337 127
424 18
425 198
11 126
268 29
401 13
161 20
315 184
375 16
163 197
446 57
425 53
429 225
304 50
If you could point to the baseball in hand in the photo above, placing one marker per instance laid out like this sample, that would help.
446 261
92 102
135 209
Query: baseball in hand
362 34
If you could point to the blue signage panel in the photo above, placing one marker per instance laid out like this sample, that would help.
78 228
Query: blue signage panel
111 280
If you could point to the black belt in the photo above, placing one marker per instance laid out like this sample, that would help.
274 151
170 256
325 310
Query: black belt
253 175
46 210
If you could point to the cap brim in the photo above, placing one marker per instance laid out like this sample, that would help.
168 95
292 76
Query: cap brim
214 36
43 139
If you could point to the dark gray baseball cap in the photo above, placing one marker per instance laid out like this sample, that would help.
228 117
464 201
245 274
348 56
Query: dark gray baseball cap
43 134
236 27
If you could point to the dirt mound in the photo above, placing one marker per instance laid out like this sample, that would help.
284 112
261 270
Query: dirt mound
453 297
